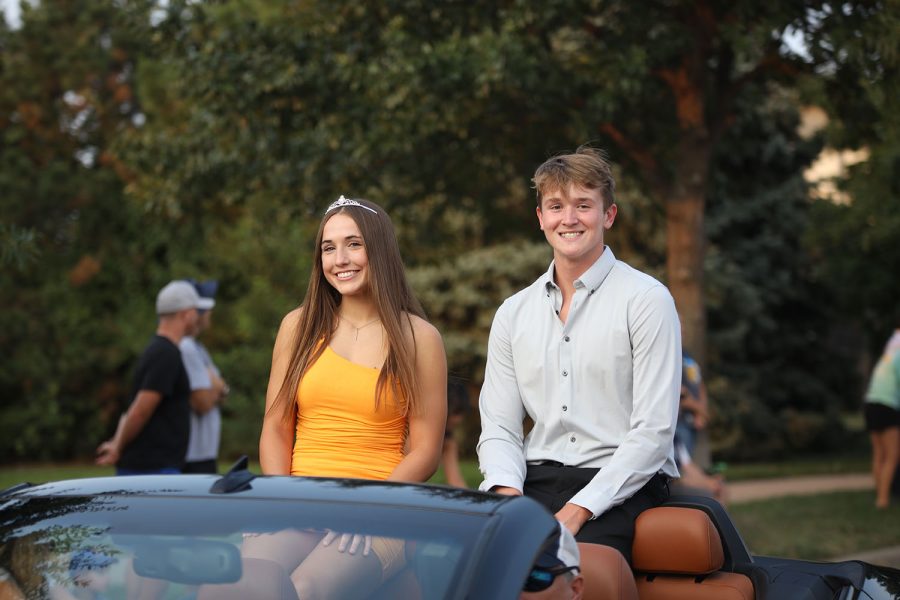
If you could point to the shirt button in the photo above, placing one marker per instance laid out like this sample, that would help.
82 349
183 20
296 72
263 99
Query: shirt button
572 439
566 338
565 408
565 373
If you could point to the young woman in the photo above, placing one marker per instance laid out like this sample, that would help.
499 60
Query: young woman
357 389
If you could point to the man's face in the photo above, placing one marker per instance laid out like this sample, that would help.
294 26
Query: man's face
191 320
204 320
573 221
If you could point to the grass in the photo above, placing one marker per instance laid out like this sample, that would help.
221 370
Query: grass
830 465
817 527
814 527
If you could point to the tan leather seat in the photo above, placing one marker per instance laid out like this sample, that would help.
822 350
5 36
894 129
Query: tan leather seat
677 554
607 575
261 580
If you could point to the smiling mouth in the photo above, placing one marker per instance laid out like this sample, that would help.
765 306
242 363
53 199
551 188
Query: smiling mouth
345 275
570 235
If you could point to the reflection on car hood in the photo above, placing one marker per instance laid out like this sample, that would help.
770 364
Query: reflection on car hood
318 489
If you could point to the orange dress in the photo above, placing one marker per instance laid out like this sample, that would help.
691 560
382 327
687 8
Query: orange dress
339 431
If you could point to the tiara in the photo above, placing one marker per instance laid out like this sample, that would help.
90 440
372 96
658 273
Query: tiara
342 202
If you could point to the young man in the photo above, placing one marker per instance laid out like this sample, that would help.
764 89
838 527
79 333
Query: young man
208 392
152 436
591 352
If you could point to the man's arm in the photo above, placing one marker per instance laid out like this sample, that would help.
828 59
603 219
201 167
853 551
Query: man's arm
204 394
501 452
656 376
204 400
697 407
130 425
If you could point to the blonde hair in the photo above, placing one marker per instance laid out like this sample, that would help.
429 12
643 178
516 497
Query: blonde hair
586 167
394 300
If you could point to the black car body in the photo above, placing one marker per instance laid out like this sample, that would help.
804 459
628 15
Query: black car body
180 527
187 530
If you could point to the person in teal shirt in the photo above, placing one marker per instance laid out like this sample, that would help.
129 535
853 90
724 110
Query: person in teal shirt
882 412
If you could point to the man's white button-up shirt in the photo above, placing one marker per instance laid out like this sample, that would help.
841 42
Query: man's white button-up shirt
602 388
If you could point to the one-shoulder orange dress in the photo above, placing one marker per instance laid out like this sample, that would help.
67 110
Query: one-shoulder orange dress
339 432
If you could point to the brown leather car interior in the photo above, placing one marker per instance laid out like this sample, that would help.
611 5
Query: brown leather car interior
607 575
677 554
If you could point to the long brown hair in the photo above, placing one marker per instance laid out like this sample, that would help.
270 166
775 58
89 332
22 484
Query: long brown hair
394 300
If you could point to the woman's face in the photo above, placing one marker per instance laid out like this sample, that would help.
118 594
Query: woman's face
344 259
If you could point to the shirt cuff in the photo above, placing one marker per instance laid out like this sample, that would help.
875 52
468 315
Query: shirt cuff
501 479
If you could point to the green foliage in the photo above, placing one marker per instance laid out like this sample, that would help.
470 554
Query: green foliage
855 244
461 294
65 90
145 143
771 378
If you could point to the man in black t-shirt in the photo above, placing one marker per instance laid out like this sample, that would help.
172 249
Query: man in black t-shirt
152 436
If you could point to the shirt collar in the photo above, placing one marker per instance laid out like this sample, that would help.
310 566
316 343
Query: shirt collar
591 279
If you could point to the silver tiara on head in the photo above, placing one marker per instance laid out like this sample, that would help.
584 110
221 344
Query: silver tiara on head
341 202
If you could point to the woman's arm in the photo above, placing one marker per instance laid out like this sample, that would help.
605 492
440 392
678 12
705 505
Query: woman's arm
276 442
426 426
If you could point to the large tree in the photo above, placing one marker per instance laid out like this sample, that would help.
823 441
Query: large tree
443 110
854 241
77 255
205 141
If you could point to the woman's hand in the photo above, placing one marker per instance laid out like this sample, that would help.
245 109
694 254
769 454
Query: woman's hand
349 542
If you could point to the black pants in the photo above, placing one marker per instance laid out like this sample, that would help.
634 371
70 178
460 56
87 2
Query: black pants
201 466
554 486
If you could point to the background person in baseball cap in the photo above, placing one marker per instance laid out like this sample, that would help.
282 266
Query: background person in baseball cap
208 391
152 435
556 574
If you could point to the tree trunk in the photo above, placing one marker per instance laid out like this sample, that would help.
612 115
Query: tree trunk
686 240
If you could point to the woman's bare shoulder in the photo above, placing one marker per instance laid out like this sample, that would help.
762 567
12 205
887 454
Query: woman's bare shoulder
424 331
292 318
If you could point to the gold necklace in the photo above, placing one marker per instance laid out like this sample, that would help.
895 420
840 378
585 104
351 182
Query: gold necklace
356 338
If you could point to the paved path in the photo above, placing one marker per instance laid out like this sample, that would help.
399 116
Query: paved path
760 489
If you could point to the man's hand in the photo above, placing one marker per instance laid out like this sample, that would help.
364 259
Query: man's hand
107 453
505 491
219 386
573 517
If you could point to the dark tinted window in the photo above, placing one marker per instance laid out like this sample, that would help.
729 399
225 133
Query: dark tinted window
98 547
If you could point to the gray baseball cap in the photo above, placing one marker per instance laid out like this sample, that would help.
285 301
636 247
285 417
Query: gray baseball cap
180 295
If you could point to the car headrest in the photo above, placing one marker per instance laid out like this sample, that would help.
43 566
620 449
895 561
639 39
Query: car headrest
669 539
606 573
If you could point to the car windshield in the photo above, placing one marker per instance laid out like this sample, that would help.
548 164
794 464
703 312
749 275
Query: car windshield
108 546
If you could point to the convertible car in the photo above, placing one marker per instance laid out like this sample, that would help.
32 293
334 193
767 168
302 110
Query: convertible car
94 538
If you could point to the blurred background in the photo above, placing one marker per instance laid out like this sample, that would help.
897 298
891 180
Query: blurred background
756 154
